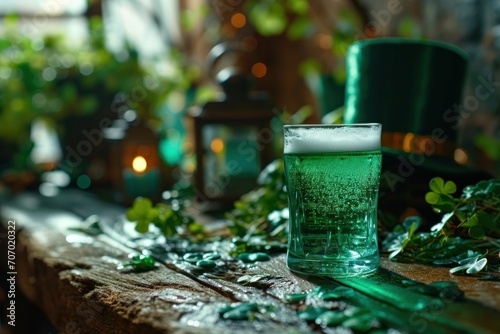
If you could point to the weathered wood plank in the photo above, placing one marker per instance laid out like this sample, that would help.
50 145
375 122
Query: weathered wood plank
73 277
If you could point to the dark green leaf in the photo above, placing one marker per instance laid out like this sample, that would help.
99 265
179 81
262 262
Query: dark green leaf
140 262
240 311
486 220
299 28
471 221
476 232
295 297
298 6
361 323
206 264
311 313
331 318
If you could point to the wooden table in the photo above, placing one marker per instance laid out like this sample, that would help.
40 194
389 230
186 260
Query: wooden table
73 278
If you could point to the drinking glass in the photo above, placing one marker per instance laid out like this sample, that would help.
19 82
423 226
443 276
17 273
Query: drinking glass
332 177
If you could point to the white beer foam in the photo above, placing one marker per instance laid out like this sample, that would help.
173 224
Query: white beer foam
322 139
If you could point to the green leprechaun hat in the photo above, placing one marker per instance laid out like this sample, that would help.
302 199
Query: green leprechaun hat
407 85
414 89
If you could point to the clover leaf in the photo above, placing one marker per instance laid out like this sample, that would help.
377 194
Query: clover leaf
140 262
142 212
479 224
165 217
440 195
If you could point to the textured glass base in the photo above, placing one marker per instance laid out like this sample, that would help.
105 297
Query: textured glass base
333 267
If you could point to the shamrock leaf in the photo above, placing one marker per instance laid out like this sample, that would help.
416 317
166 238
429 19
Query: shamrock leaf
143 213
440 195
139 262
411 224
438 185
479 223
471 221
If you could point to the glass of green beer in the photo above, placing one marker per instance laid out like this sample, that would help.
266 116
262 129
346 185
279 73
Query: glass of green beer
332 177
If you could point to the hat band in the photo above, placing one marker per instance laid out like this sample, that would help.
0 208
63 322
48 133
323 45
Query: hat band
412 143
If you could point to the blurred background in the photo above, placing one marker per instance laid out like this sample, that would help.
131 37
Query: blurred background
125 97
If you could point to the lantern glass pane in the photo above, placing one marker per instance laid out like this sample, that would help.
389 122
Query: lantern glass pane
231 160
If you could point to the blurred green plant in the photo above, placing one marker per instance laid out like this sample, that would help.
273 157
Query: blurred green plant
44 78
490 145
275 17
171 220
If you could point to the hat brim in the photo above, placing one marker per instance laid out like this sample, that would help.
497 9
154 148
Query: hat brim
393 159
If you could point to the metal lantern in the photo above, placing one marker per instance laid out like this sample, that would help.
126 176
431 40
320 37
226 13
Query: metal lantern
233 139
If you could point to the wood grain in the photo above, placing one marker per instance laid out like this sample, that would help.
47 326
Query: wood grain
73 278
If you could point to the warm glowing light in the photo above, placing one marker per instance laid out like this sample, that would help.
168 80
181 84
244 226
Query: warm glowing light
408 142
461 156
217 145
139 164
238 20
259 70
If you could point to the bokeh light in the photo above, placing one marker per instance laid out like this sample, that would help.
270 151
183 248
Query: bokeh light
259 70
83 181
217 145
461 156
238 20
139 164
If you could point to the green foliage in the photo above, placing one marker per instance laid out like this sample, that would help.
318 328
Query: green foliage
245 311
440 195
143 213
405 235
310 67
46 78
344 34
408 27
139 263
168 220
275 17
476 213
490 145
262 211
467 233
319 310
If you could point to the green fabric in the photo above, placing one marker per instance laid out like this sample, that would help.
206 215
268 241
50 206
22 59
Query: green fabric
405 84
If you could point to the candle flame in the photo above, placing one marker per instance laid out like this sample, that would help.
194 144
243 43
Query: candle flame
139 164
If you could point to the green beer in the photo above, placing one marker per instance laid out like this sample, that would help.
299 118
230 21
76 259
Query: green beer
332 175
